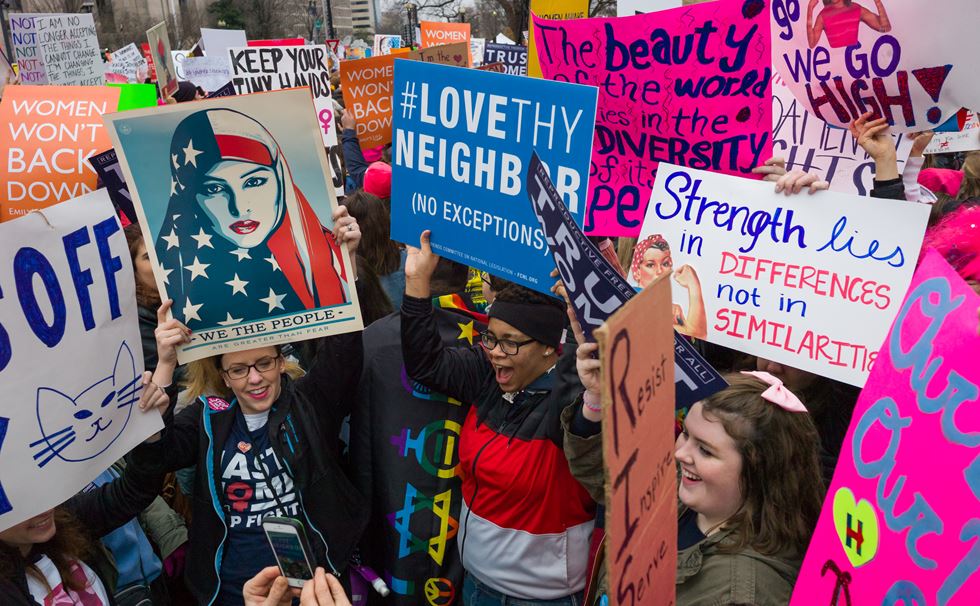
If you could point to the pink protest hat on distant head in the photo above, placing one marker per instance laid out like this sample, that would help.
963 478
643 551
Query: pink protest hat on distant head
945 180
377 180
372 154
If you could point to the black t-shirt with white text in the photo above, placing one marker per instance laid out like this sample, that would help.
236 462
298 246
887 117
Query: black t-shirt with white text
248 468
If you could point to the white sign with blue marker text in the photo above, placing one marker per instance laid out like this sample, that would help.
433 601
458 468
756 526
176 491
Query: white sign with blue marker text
71 362
813 282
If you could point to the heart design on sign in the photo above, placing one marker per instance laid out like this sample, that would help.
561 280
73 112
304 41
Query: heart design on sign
458 58
856 524
244 446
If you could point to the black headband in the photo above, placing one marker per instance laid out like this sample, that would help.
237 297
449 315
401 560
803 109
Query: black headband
542 322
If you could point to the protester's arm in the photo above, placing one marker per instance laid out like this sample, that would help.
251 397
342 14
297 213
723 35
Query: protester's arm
913 166
874 137
338 361
353 156
457 372
109 506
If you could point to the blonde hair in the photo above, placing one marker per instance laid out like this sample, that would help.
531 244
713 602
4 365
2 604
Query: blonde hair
203 377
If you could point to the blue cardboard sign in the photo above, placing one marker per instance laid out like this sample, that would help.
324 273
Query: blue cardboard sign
461 139
596 289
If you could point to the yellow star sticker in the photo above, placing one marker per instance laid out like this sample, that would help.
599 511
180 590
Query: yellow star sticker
466 331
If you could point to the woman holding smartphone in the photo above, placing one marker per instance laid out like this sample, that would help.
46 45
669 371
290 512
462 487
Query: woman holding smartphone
263 439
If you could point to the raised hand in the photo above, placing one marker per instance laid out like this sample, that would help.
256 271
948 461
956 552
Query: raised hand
796 181
169 335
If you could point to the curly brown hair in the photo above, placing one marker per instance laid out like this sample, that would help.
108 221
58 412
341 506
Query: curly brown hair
780 480
374 218
69 544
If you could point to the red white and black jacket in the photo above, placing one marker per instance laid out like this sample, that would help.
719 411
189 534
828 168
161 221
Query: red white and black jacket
525 523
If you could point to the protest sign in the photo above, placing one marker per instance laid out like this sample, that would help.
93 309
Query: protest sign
383 43
7 73
151 65
178 57
27 55
597 289
435 33
705 106
107 166
228 90
128 61
910 62
163 61
500 68
48 134
513 56
457 54
628 8
812 283
277 42
502 39
209 72
462 140
900 521
72 360
278 67
366 85
136 96
69 49
554 10
217 42
638 449
965 137
248 259
808 143
477 48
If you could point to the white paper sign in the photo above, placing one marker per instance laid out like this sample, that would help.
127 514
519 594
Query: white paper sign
809 281
808 143
627 8
216 42
71 361
912 62
179 56
257 69
127 62
210 73
477 48
70 48
966 139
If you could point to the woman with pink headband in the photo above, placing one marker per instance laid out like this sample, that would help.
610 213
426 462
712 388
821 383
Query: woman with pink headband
743 521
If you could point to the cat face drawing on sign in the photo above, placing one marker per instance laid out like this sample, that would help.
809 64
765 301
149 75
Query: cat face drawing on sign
79 428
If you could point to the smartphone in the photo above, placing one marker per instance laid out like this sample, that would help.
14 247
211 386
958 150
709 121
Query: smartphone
288 540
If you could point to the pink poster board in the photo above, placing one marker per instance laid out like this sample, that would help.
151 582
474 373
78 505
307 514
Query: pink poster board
690 86
901 521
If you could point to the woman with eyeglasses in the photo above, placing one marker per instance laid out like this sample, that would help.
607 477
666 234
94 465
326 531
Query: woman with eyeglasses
263 437
525 522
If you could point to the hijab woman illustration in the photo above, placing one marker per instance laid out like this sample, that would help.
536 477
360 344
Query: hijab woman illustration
239 241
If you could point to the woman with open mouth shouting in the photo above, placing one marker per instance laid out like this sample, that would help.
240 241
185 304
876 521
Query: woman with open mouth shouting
263 439
525 522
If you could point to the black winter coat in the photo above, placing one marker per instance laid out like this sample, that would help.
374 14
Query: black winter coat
303 427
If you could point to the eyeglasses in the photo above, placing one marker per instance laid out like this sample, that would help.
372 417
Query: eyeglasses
510 348
485 278
240 371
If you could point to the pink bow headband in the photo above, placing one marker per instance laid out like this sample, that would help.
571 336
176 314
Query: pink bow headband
777 393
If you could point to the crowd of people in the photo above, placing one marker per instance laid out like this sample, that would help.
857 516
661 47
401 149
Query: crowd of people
293 427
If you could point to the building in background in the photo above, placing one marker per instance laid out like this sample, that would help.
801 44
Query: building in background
343 23
364 16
